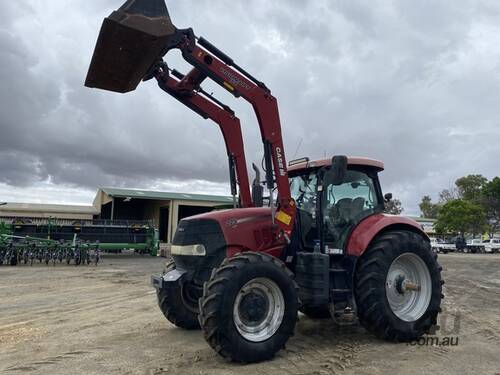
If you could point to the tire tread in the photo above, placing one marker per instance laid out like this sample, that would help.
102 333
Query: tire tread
373 311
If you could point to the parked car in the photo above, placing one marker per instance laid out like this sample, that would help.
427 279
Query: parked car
439 245
475 245
492 245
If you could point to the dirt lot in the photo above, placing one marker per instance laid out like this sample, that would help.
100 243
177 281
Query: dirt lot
105 320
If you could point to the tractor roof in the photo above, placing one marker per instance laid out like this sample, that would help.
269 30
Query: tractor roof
351 160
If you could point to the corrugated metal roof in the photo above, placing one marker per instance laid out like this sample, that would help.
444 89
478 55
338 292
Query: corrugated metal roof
161 195
53 208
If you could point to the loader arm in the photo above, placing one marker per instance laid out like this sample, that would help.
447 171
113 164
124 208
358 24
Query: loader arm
209 108
131 43
208 61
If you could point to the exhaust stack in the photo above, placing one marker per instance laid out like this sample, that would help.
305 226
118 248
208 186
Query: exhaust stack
130 42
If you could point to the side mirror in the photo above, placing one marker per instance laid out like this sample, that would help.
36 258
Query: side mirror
336 174
388 197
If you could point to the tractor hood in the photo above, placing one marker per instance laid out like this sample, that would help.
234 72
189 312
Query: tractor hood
235 217
201 242
130 42
242 228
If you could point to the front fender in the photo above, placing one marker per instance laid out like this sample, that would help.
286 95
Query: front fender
373 225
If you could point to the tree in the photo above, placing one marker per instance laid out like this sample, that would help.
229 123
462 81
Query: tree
448 195
428 209
393 207
470 187
461 216
490 199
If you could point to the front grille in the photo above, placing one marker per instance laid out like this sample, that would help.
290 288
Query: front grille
202 231
205 232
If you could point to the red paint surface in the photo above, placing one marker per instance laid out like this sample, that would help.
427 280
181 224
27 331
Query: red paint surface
368 228
247 229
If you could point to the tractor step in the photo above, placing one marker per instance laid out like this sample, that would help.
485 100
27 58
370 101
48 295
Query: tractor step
346 317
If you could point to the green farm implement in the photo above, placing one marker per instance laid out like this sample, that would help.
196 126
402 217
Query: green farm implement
112 236
28 250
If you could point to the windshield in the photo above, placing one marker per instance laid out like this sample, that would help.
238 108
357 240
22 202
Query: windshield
303 189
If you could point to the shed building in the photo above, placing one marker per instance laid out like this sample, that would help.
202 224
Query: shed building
43 211
163 208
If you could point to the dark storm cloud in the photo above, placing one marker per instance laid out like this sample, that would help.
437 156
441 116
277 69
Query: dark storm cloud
412 83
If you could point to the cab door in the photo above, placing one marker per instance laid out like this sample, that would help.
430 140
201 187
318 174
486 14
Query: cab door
345 205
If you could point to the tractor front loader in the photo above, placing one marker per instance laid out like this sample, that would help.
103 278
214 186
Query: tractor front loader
322 246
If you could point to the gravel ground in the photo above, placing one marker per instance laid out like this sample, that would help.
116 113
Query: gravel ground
104 320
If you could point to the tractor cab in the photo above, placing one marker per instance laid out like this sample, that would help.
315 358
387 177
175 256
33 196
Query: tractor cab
329 207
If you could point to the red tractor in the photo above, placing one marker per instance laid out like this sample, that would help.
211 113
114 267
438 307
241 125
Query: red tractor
322 246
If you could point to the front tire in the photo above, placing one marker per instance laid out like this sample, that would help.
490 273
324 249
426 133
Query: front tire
175 307
398 287
249 307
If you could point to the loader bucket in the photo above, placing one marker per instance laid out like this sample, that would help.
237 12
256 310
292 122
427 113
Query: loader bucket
131 40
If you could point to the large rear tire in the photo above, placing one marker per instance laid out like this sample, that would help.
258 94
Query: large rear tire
175 306
249 307
398 287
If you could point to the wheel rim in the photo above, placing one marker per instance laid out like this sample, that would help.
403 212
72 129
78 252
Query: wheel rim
259 309
408 287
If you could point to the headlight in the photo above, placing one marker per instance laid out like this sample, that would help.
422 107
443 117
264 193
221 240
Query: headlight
192 250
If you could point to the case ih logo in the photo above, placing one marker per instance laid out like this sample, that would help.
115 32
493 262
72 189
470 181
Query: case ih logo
231 222
233 80
281 164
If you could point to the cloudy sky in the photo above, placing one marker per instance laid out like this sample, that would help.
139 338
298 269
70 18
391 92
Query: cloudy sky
414 83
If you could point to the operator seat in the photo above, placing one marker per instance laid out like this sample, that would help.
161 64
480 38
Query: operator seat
339 217
341 211
358 206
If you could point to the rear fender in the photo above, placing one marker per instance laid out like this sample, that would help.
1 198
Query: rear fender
375 225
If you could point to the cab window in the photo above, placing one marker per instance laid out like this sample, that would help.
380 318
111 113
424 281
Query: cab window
304 191
346 204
